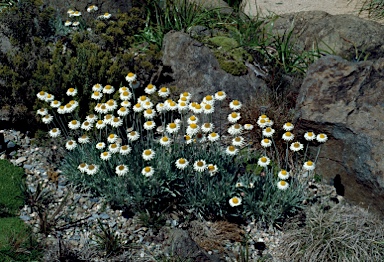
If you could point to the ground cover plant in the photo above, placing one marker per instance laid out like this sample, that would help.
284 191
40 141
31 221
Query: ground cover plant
16 239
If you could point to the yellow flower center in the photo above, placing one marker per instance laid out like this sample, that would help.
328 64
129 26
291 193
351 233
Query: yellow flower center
263 159
198 106
121 167
112 136
147 152
68 105
106 14
237 139
147 169
172 103
220 93
183 104
262 121
296 145
82 165
97 93
235 200
192 118
263 116
236 102
185 94
124 148
237 126
182 161
207 125
74 122
55 102
125 93
211 167
105 154
108 117
133 133
288 134
187 137
231 148
111 103
108 87
103 107
172 125
123 109
208 107
283 183
54 130
100 122
113 146
200 163
234 115
309 163
183 98
213 134
148 111
322 136
149 123
288 124
70 143
283 172
137 105
268 130
150 86
42 93
91 167
84 136
143 98
208 98
130 74
193 125
163 89
71 90
165 139
310 134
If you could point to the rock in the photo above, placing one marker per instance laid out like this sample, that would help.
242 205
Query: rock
345 100
25 218
20 160
344 34
11 145
104 216
29 167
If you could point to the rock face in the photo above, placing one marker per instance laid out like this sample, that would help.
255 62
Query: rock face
193 67
344 34
346 101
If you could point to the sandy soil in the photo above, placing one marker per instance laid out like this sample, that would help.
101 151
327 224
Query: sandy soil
333 7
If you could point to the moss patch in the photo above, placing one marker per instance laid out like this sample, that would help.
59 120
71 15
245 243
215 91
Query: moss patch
230 55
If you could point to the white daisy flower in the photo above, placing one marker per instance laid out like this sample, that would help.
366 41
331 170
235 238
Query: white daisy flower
181 163
172 128
212 169
92 169
282 185
262 122
148 171
121 170
309 136
221 95
114 148
143 99
130 77
100 124
266 142
55 132
82 167
192 119
263 161
288 126
235 129
112 138
296 146
165 141
49 98
208 109
67 23
123 111
149 113
163 92
116 122
182 107
100 145
70 145
125 150
75 13
171 105
238 141
283 174
213 137
148 154
42 95
200 165
268 132
55 104
108 119
149 125
97 88
126 95
105 156
108 89
321 138
123 89
288 136
248 127
231 150
74 124
233 117
186 95
150 89
309 165
111 105
188 139
133 136
47 119
96 95
126 104
71 91
160 107
83 139
193 129
42 111
147 105
207 127
209 100
235 201
196 108
239 184
76 23
91 118
138 108
92 8
86 125
235 105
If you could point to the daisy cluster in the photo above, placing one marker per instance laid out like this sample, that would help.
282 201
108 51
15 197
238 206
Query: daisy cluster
74 14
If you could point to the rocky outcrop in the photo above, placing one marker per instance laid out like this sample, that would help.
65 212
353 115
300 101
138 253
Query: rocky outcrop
193 67
346 101
348 36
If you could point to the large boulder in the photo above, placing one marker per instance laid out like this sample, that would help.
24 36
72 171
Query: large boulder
192 66
346 101
348 36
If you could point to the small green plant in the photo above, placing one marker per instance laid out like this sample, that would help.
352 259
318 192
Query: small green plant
108 241
375 8
10 179
343 233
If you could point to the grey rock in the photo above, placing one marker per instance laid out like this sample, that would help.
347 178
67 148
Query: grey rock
13 153
20 160
104 216
29 167
94 200
11 145
345 100
25 218
344 34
